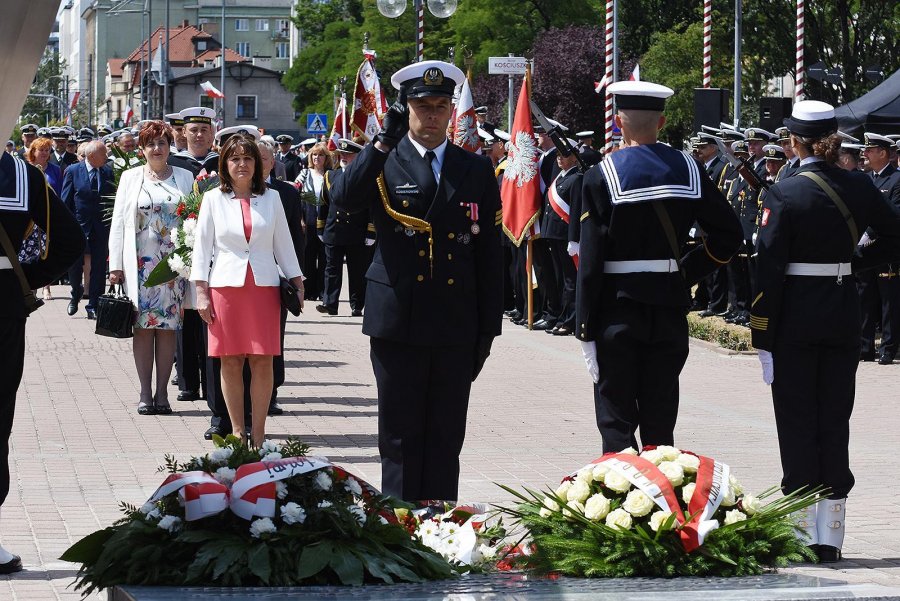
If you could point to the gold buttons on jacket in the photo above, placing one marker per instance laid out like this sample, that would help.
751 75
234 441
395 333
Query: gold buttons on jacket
421 253
450 282
420 277
449 257
405 203
451 235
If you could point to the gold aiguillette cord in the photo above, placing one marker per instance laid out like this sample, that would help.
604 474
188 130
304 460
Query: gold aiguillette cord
413 223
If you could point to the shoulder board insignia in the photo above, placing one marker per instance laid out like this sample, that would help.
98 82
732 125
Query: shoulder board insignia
585 215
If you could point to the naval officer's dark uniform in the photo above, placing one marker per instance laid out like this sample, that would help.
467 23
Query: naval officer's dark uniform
717 282
429 306
638 318
558 199
811 323
744 200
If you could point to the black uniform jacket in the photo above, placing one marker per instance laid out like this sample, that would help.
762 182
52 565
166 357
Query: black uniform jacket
65 241
744 200
575 204
186 160
886 246
630 231
290 198
341 227
787 170
716 168
459 294
801 224
67 159
553 227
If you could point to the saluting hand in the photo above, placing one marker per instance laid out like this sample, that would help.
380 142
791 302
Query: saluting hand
395 123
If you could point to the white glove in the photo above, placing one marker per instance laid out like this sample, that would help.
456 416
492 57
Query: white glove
692 233
768 366
573 248
589 350
755 234
370 241
865 240
321 238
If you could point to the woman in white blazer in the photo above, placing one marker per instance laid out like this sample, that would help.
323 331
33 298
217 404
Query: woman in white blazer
140 237
242 244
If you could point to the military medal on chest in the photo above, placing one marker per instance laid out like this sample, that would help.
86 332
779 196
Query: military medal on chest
472 212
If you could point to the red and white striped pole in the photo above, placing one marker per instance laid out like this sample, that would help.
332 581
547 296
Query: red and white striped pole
707 43
608 77
420 31
800 80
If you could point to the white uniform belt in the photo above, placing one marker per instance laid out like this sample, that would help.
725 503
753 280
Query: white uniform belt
819 269
649 265
4 263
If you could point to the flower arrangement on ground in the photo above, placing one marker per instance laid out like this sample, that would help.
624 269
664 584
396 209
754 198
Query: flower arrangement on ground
178 262
460 534
241 516
663 512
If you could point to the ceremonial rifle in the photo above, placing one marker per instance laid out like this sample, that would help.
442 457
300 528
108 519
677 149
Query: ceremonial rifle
555 133
743 167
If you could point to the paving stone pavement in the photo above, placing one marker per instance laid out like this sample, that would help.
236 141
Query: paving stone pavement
79 447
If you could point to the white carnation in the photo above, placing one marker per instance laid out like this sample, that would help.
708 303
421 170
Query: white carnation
751 504
579 491
357 512
353 487
658 518
596 508
637 503
323 481
189 226
291 513
281 490
617 482
221 455
147 507
225 475
272 457
262 527
668 453
269 446
177 264
734 516
653 456
687 492
690 463
619 519
324 504
673 472
170 523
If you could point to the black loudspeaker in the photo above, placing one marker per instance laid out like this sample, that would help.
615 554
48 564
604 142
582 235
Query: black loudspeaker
772 112
710 107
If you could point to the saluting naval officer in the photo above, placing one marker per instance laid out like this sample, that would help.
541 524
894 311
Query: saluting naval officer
434 297
805 316
633 284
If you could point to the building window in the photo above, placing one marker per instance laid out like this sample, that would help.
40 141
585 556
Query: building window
243 48
246 107
201 45
282 50
206 101
242 24
284 27
262 25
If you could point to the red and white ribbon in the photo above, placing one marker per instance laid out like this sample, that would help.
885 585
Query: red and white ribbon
560 206
711 487
707 43
647 478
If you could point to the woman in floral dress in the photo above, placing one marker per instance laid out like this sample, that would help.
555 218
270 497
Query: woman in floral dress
140 237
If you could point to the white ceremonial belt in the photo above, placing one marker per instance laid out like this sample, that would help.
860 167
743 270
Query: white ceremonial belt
650 265
4 263
819 269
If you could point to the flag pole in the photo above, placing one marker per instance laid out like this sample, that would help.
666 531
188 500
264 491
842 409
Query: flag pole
529 244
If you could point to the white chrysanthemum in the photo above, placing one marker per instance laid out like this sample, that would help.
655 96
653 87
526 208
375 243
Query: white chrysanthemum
221 455
272 457
169 523
596 508
637 503
353 487
734 516
619 519
617 482
673 472
225 475
324 504
281 490
261 527
147 507
291 513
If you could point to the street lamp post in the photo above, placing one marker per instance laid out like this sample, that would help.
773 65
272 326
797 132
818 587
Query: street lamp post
441 9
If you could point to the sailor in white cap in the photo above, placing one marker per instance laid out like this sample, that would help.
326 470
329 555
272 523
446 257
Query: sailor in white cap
586 147
434 297
177 123
848 157
638 206
60 156
199 133
286 156
805 318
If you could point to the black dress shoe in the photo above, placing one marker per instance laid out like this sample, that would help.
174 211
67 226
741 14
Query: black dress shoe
72 308
514 314
174 381
215 431
726 315
543 325
188 395
11 566
163 409
828 554
886 359
356 313
91 314
551 330
563 331
707 313
520 322
324 309
275 409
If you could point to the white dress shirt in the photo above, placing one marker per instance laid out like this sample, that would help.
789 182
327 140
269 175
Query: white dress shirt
438 161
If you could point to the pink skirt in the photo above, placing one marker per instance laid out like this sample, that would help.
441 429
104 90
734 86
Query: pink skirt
247 320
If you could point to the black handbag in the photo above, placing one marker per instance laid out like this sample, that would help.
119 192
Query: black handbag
115 314
289 298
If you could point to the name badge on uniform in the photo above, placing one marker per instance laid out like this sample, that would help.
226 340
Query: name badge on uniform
406 188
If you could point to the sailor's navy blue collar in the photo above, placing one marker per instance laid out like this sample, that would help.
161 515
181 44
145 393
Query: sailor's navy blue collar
651 172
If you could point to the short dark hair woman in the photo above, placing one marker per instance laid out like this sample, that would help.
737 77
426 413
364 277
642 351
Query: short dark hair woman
805 317
242 241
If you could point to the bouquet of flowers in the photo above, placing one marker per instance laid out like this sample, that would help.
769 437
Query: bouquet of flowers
460 534
241 516
121 161
663 512
178 263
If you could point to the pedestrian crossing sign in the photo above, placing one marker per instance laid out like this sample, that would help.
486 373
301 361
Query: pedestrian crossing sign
316 124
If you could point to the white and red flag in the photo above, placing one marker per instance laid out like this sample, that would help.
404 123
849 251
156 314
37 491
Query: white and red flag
211 90
636 74
73 100
369 104
599 85
339 125
521 189
465 125
129 114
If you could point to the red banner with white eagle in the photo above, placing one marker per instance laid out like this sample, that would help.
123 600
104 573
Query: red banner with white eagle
369 104
339 127
521 189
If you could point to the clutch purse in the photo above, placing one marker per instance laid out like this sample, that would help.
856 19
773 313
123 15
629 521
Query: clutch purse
289 298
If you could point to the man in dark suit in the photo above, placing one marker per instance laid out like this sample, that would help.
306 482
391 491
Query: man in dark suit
345 236
290 160
29 134
61 157
717 282
84 186
435 290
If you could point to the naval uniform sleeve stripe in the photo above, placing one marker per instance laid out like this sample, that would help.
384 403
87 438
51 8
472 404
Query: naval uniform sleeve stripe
585 215
755 300
712 256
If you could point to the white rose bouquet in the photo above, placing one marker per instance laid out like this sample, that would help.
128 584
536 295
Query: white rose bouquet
658 512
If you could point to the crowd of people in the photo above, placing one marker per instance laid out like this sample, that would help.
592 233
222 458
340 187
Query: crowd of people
746 224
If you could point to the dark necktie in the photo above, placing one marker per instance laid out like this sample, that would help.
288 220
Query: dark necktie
429 158
94 184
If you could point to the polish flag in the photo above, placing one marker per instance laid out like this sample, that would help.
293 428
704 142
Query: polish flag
521 189
599 85
636 74
369 104
465 125
211 90
339 125
129 114
73 100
